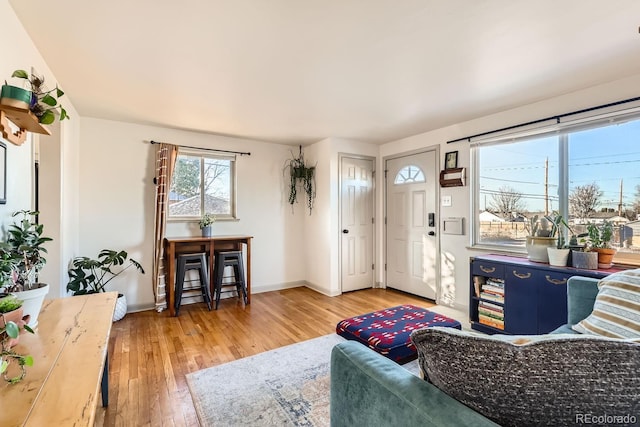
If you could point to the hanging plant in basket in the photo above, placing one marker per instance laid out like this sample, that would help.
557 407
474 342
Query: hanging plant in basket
301 175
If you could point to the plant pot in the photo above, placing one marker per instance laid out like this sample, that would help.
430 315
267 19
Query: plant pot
584 260
605 257
18 318
206 231
15 97
33 300
121 308
558 257
537 248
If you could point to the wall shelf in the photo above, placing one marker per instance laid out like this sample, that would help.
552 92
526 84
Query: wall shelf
24 119
452 177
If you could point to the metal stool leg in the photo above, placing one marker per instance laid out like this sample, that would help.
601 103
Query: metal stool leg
179 285
204 281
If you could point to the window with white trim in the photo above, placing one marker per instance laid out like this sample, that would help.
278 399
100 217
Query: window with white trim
202 182
589 174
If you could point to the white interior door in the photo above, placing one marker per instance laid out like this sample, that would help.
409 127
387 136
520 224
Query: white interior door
356 206
411 245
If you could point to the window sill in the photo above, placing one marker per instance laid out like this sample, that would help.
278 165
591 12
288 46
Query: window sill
197 220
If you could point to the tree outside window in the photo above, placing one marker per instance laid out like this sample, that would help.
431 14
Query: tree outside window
202 184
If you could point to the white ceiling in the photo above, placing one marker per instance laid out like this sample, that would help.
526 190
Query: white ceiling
296 71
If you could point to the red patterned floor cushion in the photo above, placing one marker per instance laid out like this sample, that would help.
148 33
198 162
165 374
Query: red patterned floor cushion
388 331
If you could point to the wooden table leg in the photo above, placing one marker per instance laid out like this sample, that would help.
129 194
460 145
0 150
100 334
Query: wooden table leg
170 283
248 241
104 384
212 279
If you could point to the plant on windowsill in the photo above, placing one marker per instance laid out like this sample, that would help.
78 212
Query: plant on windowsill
559 254
90 276
300 173
600 241
542 235
11 321
205 224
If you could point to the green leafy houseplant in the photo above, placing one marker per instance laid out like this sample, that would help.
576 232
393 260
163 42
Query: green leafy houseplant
600 235
23 252
89 276
299 172
9 332
600 241
44 103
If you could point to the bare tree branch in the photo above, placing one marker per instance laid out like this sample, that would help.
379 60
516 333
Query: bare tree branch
584 199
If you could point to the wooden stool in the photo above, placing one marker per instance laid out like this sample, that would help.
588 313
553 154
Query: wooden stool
186 262
230 259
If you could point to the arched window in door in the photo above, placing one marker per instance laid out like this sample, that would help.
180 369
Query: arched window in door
409 175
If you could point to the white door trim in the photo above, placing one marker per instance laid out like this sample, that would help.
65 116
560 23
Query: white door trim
373 213
436 177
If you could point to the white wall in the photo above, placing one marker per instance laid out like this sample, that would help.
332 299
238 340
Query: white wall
322 227
455 249
117 203
19 53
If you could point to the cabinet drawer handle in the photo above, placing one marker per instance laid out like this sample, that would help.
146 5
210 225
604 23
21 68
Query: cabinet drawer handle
556 281
523 275
488 269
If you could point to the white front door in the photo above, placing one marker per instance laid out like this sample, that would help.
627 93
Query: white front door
356 205
411 242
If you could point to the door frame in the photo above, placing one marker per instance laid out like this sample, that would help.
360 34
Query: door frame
435 176
373 213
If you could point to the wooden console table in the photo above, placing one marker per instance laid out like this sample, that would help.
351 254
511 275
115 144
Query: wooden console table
177 245
69 352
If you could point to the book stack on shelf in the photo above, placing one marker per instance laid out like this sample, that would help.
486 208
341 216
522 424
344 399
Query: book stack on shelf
488 313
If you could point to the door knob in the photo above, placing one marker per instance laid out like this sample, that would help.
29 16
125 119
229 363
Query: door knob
431 233
345 231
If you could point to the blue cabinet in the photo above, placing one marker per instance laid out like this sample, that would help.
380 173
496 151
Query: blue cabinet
533 299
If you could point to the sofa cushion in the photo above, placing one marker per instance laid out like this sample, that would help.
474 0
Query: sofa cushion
532 380
616 311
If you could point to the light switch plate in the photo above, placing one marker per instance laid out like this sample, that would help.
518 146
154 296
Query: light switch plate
446 200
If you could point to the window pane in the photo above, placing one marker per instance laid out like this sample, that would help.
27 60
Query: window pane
516 181
604 179
409 174
217 186
184 198
519 179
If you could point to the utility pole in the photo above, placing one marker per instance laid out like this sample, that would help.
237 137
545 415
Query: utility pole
546 186
620 202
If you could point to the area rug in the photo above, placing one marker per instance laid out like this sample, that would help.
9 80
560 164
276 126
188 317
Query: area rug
288 386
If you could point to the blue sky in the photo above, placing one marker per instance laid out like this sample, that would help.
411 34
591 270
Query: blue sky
603 156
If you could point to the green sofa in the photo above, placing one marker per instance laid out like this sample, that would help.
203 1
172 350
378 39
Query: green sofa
370 390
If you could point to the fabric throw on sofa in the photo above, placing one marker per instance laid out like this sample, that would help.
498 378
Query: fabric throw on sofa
616 311
546 380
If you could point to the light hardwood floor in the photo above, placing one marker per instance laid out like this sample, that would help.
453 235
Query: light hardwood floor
150 353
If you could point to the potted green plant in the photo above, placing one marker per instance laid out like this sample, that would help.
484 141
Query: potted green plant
11 322
542 235
23 253
205 224
559 254
600 241
585 258
43 102
89 276
299 172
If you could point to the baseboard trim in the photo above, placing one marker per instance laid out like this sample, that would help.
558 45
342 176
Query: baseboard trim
277 286
322 290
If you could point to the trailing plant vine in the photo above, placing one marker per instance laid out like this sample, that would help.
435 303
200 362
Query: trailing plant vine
299 173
